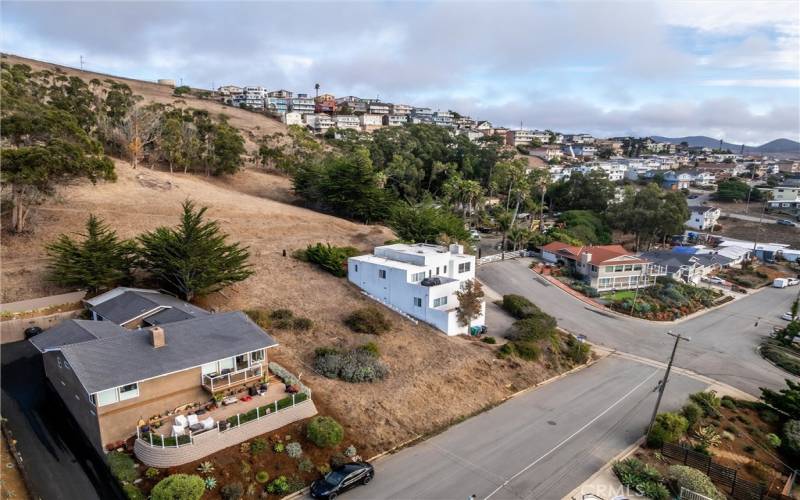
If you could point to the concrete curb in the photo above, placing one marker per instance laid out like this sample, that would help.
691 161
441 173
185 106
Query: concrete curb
620 456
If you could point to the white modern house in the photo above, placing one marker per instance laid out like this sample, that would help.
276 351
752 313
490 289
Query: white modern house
420 280
703 218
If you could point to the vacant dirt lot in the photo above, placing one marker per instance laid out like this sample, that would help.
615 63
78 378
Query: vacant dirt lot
434 380
764 232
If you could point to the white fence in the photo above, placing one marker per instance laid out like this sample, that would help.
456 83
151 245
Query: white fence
505 255
691 495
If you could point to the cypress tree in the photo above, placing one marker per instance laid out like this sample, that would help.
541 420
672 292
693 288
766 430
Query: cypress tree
101 260
194 258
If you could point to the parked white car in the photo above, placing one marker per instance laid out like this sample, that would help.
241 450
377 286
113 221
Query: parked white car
793 281
715 280
788 316
474 234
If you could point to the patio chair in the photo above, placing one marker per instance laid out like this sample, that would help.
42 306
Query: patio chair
181 421
178 430
208 423
192 419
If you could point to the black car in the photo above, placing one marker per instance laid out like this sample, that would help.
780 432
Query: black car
341 479
32 331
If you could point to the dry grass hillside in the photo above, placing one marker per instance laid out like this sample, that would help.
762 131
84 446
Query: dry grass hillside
434 380
252 125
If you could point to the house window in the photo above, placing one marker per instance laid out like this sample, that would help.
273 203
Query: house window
637 267
356 267
445 270
594 268
66 365
58 359
609 269
107 397
226 365
437 271
382 274
440 301
464 268
618 269
242 362
418 276
257 356
417 302
129 391
209 368
604 283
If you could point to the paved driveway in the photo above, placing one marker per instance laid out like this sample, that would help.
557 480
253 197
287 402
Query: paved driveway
723 344
59 460
537 446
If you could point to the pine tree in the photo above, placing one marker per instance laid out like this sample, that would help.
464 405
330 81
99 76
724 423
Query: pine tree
470 303
98 262
194 258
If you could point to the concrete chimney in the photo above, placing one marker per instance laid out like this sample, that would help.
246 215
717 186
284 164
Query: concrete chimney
586 257
158 337
456 249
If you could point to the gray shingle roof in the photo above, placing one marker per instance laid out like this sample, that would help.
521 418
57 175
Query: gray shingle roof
674 260
131 304
74 331
118 360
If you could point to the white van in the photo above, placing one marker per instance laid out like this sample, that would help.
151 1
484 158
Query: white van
780 283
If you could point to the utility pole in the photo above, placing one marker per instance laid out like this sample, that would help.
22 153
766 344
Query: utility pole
82 61
663 383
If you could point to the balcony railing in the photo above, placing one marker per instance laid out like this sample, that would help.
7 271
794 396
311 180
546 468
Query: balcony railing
225 380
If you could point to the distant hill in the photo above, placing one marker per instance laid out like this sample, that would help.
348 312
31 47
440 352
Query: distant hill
702 141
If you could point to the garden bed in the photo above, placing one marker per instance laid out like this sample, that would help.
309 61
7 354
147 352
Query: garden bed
784 357
667 300
752 277
738 435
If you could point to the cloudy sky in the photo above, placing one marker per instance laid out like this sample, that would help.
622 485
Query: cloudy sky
721 68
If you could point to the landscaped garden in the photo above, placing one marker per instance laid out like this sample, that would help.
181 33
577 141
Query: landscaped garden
750 276
666 300
756 442
535 335
269 466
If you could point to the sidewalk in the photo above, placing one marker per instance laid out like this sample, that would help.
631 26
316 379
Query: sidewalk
604 483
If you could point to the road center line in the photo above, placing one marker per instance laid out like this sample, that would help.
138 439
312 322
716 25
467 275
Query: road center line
562 443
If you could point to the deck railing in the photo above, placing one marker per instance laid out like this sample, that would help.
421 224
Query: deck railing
228 379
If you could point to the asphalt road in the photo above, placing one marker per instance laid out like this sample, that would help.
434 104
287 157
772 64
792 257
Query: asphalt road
723 344
539 445
59 460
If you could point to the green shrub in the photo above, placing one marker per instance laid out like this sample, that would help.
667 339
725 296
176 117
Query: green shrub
278 486
488 340
179 487
355 366
259 317
152 473
368 320
773 440
370 347
791 437
506 350
527 350
667 428
132 492
281 314
656 491
691 412
769 416
294 449
728 402
305 465
302 324
262 476
537 327
232 491
577 351
258 446
634 474
693 479
122 466
519 307
330 258
707 401
324 432
279 448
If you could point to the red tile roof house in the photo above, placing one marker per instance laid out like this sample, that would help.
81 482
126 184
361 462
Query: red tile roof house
604 268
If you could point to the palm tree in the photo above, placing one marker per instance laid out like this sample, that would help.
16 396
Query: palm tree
504 222
316 89
518 236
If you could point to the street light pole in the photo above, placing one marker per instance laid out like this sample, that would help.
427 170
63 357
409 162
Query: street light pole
663 383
